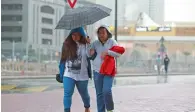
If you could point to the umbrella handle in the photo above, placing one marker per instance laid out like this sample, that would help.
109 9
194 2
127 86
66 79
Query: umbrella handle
85 27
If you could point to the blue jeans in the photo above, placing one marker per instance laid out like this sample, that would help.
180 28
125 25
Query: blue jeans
82 87
103 86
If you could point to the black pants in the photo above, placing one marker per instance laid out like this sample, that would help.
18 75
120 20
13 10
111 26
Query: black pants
166 68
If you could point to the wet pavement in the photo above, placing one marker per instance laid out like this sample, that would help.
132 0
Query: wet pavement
41 85
174 97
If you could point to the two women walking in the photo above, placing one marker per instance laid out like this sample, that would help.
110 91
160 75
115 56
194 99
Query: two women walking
75 67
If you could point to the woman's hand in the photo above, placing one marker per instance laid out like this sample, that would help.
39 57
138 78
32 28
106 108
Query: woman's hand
104 54
92 52
88 40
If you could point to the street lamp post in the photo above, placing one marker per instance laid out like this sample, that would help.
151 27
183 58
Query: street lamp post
49 44
116 20
13 55
27 57
39 53
13 50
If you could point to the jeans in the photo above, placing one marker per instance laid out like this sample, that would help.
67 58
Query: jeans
103 86
82 87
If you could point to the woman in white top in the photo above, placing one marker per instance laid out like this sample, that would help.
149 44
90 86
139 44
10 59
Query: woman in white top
74 68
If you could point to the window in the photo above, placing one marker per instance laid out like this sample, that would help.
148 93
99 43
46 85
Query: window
16 39
47 41
47 9
11 7
47 31
11 29
11 17
47 21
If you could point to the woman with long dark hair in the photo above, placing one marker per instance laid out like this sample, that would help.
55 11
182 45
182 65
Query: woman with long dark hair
74 68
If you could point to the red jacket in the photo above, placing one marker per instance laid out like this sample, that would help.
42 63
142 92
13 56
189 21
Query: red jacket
108 66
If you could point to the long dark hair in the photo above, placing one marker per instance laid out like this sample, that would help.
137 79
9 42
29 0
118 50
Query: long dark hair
69 48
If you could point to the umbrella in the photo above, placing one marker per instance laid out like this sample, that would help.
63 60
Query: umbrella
83 16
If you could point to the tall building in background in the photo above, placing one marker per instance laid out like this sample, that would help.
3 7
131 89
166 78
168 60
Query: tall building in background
130 9
108 20
134 7
153 8
31 23
156 10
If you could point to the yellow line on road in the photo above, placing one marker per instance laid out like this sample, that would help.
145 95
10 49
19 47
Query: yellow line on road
7 87
32 89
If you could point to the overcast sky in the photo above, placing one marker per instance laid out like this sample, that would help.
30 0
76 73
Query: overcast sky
175 10
180 10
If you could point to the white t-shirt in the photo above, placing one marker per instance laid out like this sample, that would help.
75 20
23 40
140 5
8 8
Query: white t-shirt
77 68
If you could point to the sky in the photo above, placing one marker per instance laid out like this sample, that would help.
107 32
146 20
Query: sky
175 10
180 10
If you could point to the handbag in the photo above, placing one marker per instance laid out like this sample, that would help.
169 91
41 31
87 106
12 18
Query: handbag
58 78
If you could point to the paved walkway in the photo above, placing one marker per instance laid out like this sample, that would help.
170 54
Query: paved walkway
144 98
42 76
42 85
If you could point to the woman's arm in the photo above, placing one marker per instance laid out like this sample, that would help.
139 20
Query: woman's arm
90 50
61 69
112 53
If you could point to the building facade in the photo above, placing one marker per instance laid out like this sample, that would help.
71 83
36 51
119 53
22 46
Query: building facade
30 24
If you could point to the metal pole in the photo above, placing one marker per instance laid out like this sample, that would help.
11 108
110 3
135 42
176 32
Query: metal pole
116 20
51 55
115 29
27 45
39 54
50 45
13 50
13 55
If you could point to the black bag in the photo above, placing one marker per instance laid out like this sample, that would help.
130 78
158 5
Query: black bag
58 78
88 68
89 64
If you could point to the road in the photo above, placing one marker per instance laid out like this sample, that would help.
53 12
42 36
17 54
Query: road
49 84
174 97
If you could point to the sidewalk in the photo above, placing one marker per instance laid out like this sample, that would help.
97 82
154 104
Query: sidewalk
41 76
145 98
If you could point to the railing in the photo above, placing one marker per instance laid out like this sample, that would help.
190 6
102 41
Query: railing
143 67
20 68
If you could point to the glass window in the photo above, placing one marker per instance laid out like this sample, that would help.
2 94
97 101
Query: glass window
11 7
16 39
47 20
11 29
11 17
47 41
47 9
47 31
